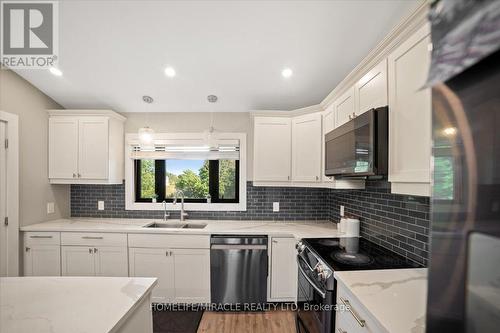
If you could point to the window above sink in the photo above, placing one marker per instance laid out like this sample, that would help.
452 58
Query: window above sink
212 177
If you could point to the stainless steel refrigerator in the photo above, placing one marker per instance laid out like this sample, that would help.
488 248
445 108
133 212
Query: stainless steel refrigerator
464 269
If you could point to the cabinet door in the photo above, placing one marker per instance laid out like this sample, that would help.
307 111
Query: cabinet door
192 275
328 125
63 147
156 263
306 148
77 261
371 89
410 114
42 260
111 261
345 107
93 148
283 269
272 149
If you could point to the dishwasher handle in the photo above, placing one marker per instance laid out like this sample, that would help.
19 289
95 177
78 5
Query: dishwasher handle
238 247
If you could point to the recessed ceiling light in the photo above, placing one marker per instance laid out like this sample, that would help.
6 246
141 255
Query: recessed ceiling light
286 73
170 72
55 71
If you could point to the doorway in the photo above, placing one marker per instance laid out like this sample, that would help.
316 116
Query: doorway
9 195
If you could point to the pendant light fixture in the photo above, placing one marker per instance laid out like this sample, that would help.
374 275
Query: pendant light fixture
210 138
146 133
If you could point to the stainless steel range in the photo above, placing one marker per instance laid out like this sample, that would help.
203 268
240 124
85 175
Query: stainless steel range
318 259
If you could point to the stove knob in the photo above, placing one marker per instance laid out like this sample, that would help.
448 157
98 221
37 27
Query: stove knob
322 276
320 268
298 245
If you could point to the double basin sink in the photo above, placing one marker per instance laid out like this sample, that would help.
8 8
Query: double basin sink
176 225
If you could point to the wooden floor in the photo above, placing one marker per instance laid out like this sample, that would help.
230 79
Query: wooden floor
279 321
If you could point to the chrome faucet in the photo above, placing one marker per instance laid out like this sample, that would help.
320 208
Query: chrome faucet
165 214
183 213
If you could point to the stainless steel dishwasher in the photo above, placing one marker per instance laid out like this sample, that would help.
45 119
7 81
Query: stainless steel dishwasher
238 269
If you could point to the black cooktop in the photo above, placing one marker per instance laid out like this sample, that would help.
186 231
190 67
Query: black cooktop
355 253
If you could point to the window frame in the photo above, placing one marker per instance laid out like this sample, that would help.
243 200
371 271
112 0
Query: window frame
213 184
132 139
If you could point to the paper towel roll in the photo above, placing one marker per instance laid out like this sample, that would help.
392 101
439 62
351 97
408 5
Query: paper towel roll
342 224
351 227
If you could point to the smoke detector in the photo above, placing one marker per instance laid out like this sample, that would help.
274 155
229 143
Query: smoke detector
147 99
212 98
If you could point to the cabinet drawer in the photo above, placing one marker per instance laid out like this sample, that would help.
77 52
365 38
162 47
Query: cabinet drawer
169 241
42 238
93 239
358 319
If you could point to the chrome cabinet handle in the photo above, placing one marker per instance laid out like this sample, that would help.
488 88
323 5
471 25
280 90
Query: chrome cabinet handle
74 175
79 175
28 249
95 250
90 251
275 241
350 117
40 236
339 330
170 253
91 237
317 177
166 253
360 321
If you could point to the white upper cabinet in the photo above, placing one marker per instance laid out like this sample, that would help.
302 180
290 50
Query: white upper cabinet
85 147
272 148
63 147
328 125
93 147
371 89
306 148
410 115
345 107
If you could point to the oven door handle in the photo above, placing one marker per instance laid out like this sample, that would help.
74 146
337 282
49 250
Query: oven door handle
311 282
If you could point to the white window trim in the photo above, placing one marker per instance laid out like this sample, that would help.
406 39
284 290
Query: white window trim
132 139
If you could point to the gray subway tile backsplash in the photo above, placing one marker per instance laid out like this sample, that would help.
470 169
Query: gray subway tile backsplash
397 222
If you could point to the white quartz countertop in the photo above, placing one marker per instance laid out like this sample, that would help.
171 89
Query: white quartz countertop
395 297
69 304
298 229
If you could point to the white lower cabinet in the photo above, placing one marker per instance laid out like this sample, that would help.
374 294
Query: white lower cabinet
180 262
183 274
191 275
284 273
94 261
144 262
351 316
42 254
94 254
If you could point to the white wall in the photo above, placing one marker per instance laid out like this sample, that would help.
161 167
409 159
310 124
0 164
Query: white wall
195 122
20 97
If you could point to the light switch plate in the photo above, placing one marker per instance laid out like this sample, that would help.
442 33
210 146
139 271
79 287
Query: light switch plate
50 208
276 206
100 205
341 211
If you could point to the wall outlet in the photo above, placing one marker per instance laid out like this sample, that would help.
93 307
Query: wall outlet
276 206
100 205
50 208
341 211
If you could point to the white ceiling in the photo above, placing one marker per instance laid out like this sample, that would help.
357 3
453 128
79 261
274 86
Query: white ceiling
113 52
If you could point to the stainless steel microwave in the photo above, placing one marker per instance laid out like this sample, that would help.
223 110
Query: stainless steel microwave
359 148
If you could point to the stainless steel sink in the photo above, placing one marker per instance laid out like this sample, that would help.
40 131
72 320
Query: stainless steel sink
166 225
194 226
176 225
